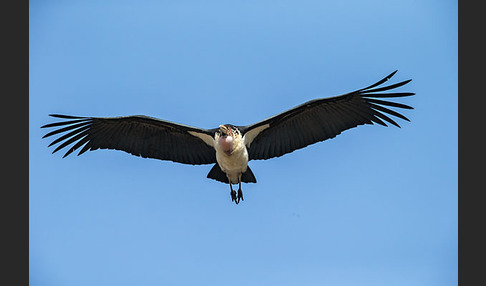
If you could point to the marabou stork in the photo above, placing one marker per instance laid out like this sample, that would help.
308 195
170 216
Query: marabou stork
231 147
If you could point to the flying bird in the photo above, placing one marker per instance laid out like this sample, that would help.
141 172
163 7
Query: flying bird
231 147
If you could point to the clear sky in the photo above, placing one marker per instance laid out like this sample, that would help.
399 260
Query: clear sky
373 206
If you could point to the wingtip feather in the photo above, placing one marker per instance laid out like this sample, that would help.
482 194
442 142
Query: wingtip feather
65 116
392 74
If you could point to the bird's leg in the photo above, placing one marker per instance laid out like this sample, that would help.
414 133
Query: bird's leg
233 194
240 192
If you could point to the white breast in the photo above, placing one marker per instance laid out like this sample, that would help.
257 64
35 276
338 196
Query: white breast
236 163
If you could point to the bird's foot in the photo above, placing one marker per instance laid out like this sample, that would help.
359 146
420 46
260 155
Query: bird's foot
233 196
240 195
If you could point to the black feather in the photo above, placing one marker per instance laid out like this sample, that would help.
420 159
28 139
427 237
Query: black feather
321 119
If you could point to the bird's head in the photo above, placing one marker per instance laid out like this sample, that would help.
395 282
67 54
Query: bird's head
225 130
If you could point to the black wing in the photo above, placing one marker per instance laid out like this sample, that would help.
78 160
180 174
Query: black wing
321 119
138 135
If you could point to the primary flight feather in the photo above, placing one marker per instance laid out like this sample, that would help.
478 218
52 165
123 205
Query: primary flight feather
231 147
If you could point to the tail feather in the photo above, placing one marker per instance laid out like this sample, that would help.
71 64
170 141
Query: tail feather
248 177
217 174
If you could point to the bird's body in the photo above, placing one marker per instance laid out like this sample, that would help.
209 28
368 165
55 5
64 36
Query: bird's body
230 147
231 155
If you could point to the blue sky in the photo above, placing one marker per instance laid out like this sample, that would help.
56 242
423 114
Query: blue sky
373 206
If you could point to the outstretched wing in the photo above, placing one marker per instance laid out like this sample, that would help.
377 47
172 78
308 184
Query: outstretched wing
321 119
138 135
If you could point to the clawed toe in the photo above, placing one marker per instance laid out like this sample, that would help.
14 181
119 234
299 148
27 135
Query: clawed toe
236 197
240 195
